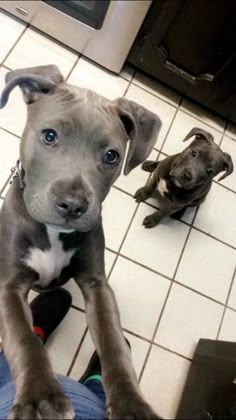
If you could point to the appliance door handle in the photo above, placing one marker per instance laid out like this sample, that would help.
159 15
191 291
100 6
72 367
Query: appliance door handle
183 73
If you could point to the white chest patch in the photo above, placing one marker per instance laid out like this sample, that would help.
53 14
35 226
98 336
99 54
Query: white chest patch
162 188
49 264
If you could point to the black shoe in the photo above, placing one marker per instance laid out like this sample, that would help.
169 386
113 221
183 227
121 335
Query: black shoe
94 366
48 310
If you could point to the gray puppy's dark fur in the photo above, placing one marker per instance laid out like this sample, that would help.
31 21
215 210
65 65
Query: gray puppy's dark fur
184 179
74 171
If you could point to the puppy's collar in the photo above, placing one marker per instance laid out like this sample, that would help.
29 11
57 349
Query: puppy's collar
18 172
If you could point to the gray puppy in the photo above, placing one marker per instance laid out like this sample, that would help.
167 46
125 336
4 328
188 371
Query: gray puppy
184 179
72 150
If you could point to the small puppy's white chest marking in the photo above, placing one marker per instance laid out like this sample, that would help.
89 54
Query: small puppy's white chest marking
49 264
161 186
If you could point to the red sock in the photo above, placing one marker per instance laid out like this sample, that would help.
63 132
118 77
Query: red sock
39 331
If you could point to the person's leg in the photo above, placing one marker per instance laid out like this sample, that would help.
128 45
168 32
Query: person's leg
48 310
87 403
7 387
96 387
5 373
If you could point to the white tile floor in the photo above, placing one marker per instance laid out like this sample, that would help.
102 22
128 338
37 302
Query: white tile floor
175 283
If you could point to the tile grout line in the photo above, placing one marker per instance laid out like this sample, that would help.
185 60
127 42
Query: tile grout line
77 351
165 302
77 308
129 84
162 153
145 266
154 334
199 293
73 67
223 134
148 341
172 351
134 334
15 43
124 237
226 304
224 186
169 102
171 124
228 134
5 67
6 183
231 308
214 237
125 78
9 132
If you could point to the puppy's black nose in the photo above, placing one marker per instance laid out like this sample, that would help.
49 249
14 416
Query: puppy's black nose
71 207
187 176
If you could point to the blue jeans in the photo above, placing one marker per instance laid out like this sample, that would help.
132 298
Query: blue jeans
88 400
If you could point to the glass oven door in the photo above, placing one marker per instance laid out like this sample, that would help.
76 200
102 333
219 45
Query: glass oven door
90 12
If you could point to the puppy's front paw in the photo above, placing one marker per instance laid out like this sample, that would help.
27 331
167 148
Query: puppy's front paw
141 195
151 221
47 403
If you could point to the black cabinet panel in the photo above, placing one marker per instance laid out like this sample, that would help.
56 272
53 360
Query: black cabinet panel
191 46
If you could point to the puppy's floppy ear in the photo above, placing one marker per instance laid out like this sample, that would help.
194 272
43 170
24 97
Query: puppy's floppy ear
200 135
142 128
228 166
32 81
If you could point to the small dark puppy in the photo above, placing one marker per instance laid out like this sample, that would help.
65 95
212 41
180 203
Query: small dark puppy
184 179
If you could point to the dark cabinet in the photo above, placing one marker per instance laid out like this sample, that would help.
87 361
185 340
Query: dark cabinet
191 46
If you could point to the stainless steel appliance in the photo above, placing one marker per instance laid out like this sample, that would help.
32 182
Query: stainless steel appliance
102 30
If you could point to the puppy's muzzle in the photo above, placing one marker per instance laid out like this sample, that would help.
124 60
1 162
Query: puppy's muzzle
186 175
71 207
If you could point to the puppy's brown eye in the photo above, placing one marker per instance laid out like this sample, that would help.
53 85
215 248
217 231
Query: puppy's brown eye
194 153
49 136
209 171
111 156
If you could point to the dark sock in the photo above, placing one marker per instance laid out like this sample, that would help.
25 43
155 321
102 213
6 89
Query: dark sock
93 378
